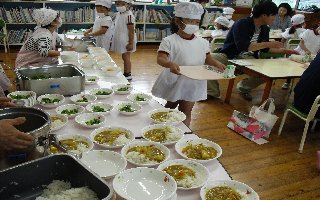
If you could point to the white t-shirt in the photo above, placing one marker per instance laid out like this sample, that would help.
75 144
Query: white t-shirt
103 40
184 52
295 35
311 42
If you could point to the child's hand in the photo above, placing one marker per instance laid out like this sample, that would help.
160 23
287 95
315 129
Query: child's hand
174 68
86 35
221 67
129 47
308 52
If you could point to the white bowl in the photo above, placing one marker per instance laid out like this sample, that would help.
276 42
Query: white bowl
69 107
46 100
144 184
87 62
140 98
23 98
58 125
90 80
130 137
103 60
101 93
78 138
174 133
79 99
69 56
105 163
128 108
246 191
201 173
122 88
111 70
175 117
185 142
85 118
164 149
106 107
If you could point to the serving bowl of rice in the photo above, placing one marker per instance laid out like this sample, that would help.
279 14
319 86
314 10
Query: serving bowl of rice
199 150
58 121
166 116
75 143
162 133
145 153
111 137
227 188
188 174
144 184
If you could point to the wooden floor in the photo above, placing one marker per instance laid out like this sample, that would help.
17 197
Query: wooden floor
275 170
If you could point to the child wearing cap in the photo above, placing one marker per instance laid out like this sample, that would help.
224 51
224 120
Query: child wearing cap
221 27
103 26
40 48
310 42
228 12
296 29
124 39
180 49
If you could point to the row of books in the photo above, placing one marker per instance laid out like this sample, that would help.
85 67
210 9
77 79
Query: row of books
139 33
18 36
85 14
138 14
158 16
157 34
17 15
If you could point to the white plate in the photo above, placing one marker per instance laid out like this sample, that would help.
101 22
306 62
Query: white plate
202 173
177 135
106 145
135 98
144 184
101 90
163 148
78 97
51 96
78 138
105 163
185 142
246 191
62 118
107 107
82 119
90 80
119 89
176 116
70 107
134 106
27 102
110 70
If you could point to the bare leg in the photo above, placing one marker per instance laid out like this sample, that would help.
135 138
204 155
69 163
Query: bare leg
126 62
186 108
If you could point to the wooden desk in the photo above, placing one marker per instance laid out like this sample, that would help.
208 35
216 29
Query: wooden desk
268 70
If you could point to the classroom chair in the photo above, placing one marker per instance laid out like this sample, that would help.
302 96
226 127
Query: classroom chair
306 117
4 35
217 43
293 43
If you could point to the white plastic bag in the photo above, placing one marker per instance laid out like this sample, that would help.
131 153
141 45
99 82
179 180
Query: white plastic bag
265 116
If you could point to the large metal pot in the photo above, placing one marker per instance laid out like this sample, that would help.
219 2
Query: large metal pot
37 124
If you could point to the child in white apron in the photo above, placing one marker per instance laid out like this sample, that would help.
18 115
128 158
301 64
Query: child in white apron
310 42
124 39
180 49
39 48
103 27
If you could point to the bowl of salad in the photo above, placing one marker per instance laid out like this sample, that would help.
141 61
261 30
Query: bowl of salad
90 120
83 99
102 93
90 80
140 98
99 107
51 100
70 110
128 108
23 98
122 88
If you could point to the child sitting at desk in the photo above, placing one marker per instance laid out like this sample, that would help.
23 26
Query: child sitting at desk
295 31
310 42
221 27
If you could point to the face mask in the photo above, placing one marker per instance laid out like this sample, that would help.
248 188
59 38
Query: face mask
228 16
101 14
191 29
121 8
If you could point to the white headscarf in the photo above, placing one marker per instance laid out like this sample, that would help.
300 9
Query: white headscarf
189 10
228 11
44 16
223 21
105 3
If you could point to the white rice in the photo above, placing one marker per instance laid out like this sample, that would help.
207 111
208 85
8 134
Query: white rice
80 149
57 123
121 140
173 136
136 157
61 190
191 181
174 117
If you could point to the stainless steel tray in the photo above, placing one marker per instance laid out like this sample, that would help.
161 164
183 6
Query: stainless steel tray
63 79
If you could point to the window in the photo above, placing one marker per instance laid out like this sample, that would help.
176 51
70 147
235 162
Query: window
307 3
292 3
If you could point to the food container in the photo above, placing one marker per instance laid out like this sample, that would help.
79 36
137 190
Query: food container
26 181
64 79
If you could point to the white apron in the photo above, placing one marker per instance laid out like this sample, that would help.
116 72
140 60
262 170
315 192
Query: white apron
104 40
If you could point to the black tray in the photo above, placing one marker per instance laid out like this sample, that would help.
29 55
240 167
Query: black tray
26 181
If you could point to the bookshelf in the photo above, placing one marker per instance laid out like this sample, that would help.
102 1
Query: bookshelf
152 20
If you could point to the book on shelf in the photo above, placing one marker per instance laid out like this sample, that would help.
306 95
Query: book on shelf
155 34
138 14
139 33
17 15
18 36
157 16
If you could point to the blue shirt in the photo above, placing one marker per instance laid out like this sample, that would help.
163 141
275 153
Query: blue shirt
308 87
240 35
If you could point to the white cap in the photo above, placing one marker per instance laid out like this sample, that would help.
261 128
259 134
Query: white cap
223 21
228 11
127 1
105 3
189 10
297 19
44 16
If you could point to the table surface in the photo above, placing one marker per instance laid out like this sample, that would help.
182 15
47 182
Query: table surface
276 68
135 123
